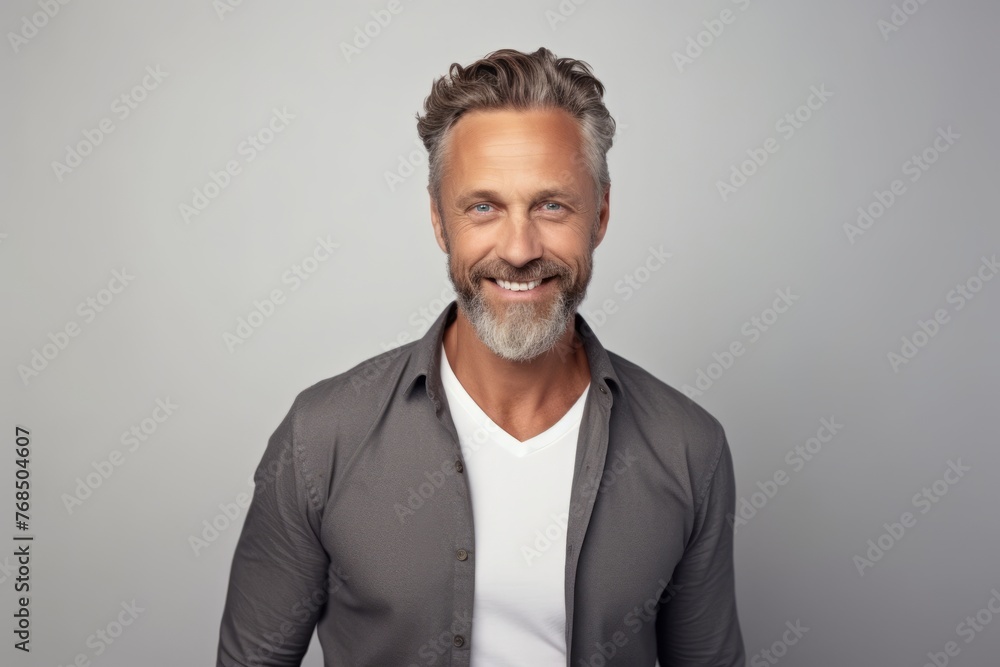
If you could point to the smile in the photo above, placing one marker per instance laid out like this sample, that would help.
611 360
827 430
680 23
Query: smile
517 287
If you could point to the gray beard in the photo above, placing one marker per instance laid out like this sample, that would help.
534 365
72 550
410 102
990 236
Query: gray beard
521 335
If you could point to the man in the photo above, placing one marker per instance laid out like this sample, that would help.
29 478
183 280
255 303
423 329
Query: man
503 491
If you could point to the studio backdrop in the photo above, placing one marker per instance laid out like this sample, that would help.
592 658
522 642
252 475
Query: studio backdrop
210 205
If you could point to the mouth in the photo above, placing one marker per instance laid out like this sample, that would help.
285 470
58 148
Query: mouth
516 286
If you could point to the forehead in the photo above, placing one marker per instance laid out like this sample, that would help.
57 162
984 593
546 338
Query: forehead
524 140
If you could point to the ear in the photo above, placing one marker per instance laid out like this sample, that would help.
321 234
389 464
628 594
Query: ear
602 224
437 223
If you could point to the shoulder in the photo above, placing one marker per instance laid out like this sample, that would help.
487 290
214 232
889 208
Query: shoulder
685 433
354 396
654 397
329 420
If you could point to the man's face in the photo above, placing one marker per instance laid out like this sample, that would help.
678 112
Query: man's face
518 205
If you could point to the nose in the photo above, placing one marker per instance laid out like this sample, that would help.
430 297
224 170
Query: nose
518 240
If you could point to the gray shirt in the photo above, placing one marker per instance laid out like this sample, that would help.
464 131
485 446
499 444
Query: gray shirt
361 525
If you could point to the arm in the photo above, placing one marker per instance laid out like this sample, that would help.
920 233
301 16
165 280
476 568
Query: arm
699 624
277 585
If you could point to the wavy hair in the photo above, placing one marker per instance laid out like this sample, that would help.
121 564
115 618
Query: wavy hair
513 80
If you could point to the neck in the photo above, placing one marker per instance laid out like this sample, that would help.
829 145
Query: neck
504 387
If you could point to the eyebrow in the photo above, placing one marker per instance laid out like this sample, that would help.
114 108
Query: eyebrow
492 195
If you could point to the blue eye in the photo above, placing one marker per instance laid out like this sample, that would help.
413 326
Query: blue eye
552 203
480 208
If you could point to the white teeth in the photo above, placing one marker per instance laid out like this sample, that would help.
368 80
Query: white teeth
518 287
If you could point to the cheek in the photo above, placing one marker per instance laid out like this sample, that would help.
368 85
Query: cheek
570 247
467 250
569 235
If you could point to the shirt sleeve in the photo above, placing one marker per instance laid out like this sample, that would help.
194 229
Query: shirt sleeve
698 624
278 580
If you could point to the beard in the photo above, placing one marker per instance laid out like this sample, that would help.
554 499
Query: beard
522 330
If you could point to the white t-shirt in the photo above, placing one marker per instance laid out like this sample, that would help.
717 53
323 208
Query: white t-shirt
520 506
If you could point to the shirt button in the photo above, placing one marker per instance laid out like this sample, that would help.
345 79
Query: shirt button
462 554
458 466
459 640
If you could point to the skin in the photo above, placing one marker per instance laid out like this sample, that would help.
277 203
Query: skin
514 191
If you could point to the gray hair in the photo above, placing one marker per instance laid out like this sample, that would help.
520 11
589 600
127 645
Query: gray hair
509 79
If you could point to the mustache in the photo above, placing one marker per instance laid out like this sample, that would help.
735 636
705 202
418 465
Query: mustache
503 271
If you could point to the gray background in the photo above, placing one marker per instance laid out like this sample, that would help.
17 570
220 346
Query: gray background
681 130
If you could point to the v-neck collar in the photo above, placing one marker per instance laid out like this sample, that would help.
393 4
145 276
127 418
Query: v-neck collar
516 447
